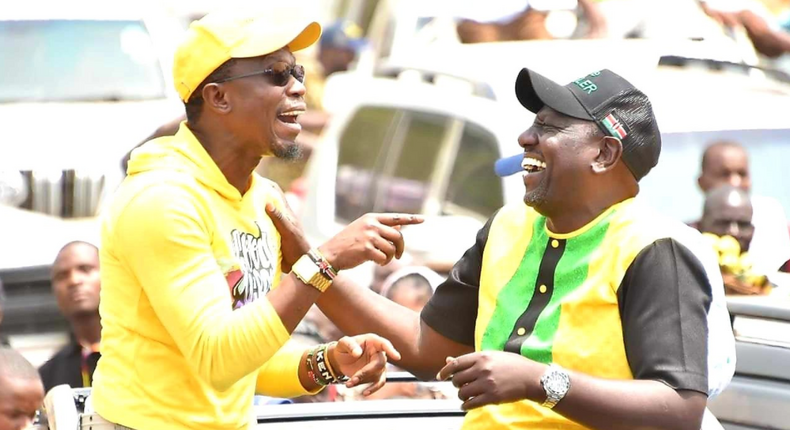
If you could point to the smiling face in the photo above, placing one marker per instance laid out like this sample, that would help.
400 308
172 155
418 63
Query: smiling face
258 112
557 159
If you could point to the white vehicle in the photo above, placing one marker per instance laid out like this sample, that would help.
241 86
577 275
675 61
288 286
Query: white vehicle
756 398
81 83
426 140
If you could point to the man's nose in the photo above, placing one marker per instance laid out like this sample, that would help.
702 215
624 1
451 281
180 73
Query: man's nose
528 138
736 180
296 88
75 278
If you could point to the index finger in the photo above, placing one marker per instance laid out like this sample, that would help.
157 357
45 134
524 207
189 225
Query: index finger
453 366
389 349
379 344
393 219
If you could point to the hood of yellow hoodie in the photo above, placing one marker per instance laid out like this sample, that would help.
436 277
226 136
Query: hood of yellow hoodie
183 153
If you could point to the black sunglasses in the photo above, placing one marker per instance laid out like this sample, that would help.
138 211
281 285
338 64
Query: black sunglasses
280 74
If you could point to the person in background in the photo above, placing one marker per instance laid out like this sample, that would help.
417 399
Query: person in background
76 284
381 273
767 33
727 223
339 46
411 287
21 391
728 212
509 20
727 163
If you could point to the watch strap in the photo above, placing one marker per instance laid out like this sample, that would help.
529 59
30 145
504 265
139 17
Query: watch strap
309 272
552 397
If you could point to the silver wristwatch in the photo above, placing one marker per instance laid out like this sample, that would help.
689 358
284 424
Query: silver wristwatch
555 382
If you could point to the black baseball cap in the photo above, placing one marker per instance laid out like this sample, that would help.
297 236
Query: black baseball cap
604 97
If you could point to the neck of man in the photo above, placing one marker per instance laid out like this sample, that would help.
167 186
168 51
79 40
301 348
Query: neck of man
576 213
224 148
87 328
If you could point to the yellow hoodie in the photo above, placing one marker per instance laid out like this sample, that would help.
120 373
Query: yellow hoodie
186 261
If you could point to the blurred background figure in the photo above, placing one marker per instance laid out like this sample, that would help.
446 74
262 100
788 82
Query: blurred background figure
21 391
509 20
728 212
764 22
76 285
381 273
339 46
727 223
411 287
727 163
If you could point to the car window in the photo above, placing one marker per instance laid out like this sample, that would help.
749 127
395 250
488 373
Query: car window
411 162
474 189
359 148
78 60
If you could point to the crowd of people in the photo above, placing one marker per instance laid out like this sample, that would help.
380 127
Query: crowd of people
211 291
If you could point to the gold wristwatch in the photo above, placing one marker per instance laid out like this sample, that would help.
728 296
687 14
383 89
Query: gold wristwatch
309 272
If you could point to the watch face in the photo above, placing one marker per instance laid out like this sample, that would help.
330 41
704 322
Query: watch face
557 383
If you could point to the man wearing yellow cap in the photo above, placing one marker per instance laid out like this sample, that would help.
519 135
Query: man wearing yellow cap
196 310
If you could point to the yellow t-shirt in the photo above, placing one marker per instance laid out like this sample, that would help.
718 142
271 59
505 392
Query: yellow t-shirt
186 261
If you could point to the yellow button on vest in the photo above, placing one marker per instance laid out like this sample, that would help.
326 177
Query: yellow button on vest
521 331
555 243
543 289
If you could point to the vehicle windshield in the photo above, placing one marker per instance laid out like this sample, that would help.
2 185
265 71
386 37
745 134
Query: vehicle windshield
78 60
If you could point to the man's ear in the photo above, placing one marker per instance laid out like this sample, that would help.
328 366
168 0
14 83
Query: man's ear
610 150
702 182
216 98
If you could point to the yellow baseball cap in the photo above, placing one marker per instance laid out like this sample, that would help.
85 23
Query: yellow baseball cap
220 36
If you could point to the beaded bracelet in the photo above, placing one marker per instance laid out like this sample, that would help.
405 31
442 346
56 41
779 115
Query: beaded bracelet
322 263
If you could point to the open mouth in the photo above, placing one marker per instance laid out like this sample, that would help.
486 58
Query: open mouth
532 165
290 117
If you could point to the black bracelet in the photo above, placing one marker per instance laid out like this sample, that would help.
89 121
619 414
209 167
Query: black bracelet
311 368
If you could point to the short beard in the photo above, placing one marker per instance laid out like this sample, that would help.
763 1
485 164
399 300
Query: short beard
537 197
290 151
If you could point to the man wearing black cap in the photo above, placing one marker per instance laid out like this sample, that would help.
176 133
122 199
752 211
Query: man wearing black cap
581 309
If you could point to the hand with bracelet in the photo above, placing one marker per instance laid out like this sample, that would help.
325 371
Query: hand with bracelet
351 360
354 360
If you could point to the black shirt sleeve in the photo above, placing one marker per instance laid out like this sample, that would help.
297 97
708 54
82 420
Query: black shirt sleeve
664 300
452 311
